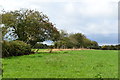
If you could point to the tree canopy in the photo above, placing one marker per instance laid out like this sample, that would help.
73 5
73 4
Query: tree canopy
76 40
30 26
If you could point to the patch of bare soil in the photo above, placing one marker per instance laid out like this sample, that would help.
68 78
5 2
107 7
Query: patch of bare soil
69 49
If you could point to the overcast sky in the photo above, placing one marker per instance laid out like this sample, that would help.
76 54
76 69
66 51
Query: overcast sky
97 19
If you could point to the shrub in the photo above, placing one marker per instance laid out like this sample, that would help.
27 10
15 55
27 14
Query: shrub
5 49
15 48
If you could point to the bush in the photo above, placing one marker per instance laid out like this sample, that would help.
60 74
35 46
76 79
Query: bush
15 48
5 49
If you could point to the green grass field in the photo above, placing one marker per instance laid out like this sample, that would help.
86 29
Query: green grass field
63 64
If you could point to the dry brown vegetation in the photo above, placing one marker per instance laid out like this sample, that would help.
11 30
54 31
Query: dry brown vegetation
69 49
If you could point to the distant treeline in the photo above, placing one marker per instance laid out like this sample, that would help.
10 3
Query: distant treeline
76 40
109 47
104 47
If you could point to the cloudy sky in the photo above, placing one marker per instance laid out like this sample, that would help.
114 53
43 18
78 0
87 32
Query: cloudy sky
97 19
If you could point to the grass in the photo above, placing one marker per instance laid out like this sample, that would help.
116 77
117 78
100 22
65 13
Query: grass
63 64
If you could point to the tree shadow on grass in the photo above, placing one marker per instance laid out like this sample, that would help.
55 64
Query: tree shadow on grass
34 56
47 52
53 52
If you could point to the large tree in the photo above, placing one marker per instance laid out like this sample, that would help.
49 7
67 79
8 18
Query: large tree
78 39
30 26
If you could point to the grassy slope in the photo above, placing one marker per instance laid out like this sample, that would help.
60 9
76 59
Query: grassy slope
64 64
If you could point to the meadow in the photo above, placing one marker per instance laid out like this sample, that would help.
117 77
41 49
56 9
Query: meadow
63 64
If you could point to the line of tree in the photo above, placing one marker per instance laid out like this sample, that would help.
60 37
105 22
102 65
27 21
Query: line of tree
31 27
76 40
110 47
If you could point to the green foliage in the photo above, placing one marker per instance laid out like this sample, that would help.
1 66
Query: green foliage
4 31
15 48
63 64
110 47
29 26
77 40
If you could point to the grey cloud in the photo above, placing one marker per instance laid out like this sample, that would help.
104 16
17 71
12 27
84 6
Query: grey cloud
77 16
